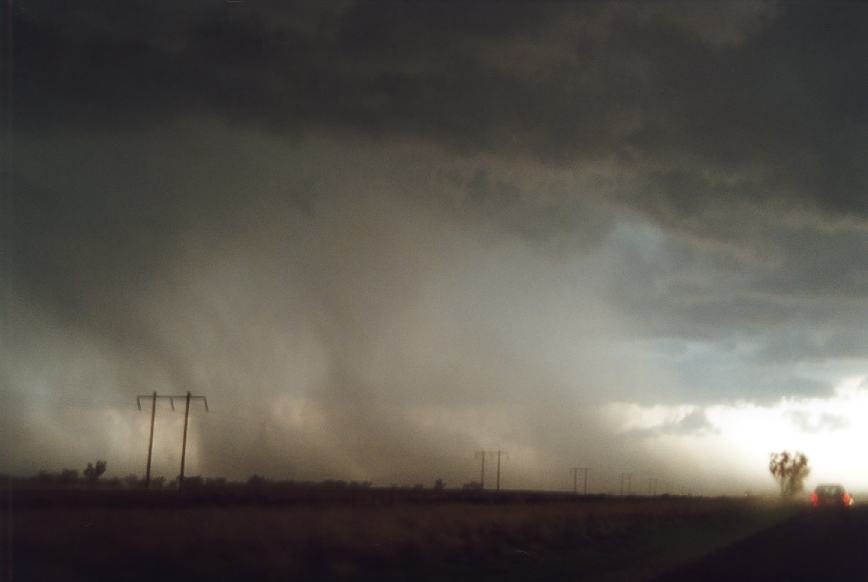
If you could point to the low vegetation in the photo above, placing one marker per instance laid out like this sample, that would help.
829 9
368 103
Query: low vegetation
363 533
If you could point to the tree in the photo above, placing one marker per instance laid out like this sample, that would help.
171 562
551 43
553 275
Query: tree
790 471
92 473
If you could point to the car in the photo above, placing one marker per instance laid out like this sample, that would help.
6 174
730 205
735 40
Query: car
831 496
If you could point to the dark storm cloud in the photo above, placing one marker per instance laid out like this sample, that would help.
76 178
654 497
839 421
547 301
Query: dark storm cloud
767 120
715 135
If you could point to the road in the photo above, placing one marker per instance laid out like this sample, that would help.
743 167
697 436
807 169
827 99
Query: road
829 547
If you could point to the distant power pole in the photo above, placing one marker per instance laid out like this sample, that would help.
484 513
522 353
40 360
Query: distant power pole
576 470
585 470
482 470
153 398
652 486
187 398
499 453
629 477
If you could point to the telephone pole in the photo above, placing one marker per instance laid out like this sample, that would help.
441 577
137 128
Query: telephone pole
629 477
584 471
499 453
153 398
187 398
481 454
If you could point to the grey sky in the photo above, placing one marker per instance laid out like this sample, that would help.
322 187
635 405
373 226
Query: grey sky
385 235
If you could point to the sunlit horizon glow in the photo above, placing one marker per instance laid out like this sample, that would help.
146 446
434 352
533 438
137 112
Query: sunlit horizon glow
741 436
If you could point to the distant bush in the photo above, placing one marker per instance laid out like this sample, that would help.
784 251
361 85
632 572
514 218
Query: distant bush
92 473
193 483
132 481
66 477
257 481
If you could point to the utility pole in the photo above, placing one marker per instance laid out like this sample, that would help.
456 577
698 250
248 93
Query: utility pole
153 398
499 453
629 483
187 399
481 454
652 486
629 477
585 470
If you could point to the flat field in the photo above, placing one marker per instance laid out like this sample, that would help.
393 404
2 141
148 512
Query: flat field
374 534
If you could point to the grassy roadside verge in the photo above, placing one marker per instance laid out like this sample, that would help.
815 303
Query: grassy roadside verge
608 539
654 549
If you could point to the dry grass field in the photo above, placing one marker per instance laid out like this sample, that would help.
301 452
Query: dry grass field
372 537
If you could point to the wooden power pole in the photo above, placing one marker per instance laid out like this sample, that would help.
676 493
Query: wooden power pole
499 453
481 454
187 398
153 398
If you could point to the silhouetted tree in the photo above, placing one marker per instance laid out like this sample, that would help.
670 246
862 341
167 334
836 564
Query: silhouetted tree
92 473
439 485
790 471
